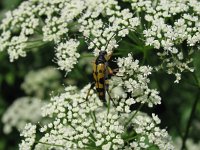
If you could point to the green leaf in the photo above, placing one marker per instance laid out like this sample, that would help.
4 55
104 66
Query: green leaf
10 4
1 79
2 143
153 147
10 78
127 47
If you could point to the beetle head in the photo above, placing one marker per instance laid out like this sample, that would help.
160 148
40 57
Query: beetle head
102 57
102 53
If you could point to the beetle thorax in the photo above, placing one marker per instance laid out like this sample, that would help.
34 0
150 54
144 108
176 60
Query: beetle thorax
101 58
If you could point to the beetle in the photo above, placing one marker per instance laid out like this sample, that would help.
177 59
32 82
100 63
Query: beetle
101 74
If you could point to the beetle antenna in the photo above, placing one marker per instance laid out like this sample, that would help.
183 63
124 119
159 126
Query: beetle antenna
112 37
91 41
109 41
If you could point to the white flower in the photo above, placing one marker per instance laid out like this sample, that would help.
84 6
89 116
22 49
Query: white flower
29 134
21 112
161 34
37 82
134 80
54 29
88 123
66 55
78 122
54 19
154 134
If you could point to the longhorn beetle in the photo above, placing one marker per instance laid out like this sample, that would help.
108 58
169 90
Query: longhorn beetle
101 73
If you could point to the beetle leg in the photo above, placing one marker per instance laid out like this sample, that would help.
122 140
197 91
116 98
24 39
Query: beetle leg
110 71
106 88
111 98
115 70
91 87
101 94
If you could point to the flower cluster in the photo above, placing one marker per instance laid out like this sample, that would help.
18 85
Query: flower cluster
22 111
171 26
166 25
66 55
81 121
54 18
59 17
38 85
17 27
30 133
23 26
133 78
146 127
190 144
103 34
41 82
85 125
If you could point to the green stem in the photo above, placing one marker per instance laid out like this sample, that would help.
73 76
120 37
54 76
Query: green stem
130 138
86 55
138 15
50 144
33 44
92 136
93 120
144 58
108 107
190 122
127 123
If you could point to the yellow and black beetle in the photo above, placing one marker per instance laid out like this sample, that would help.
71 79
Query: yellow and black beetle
101 73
